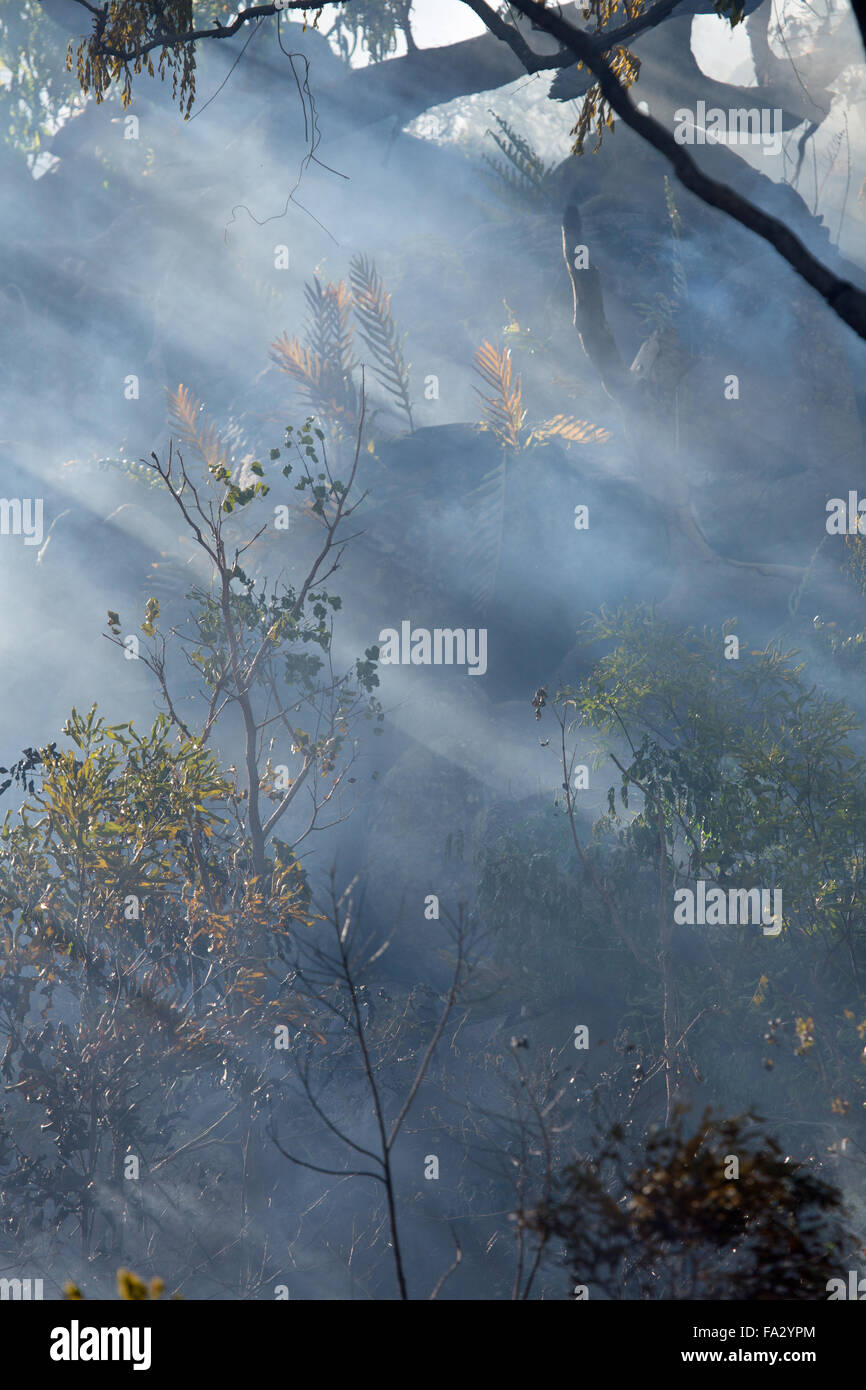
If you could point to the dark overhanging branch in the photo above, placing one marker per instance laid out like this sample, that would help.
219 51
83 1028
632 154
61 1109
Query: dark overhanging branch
575 45
173 38
846 301
565 57
859 8
417 66
169 38
408 85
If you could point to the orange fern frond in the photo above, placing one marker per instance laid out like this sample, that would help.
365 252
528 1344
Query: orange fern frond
193 426
321 367
503 410
574 430
301 363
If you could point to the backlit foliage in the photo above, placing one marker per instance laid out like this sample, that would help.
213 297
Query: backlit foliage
603 11
742 752
736 773
116 50
201 434
130 1289
596 112
38 89
505 418
322 365
137 957
374 25
504 411
186 413
505 414
124 27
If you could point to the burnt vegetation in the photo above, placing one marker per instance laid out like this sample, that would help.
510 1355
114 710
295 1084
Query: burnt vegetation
323 978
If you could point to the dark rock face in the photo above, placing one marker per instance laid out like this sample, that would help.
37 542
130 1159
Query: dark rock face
488 536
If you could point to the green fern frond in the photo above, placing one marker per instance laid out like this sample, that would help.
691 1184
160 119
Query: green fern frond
524 177
329 331
484 553
373 312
